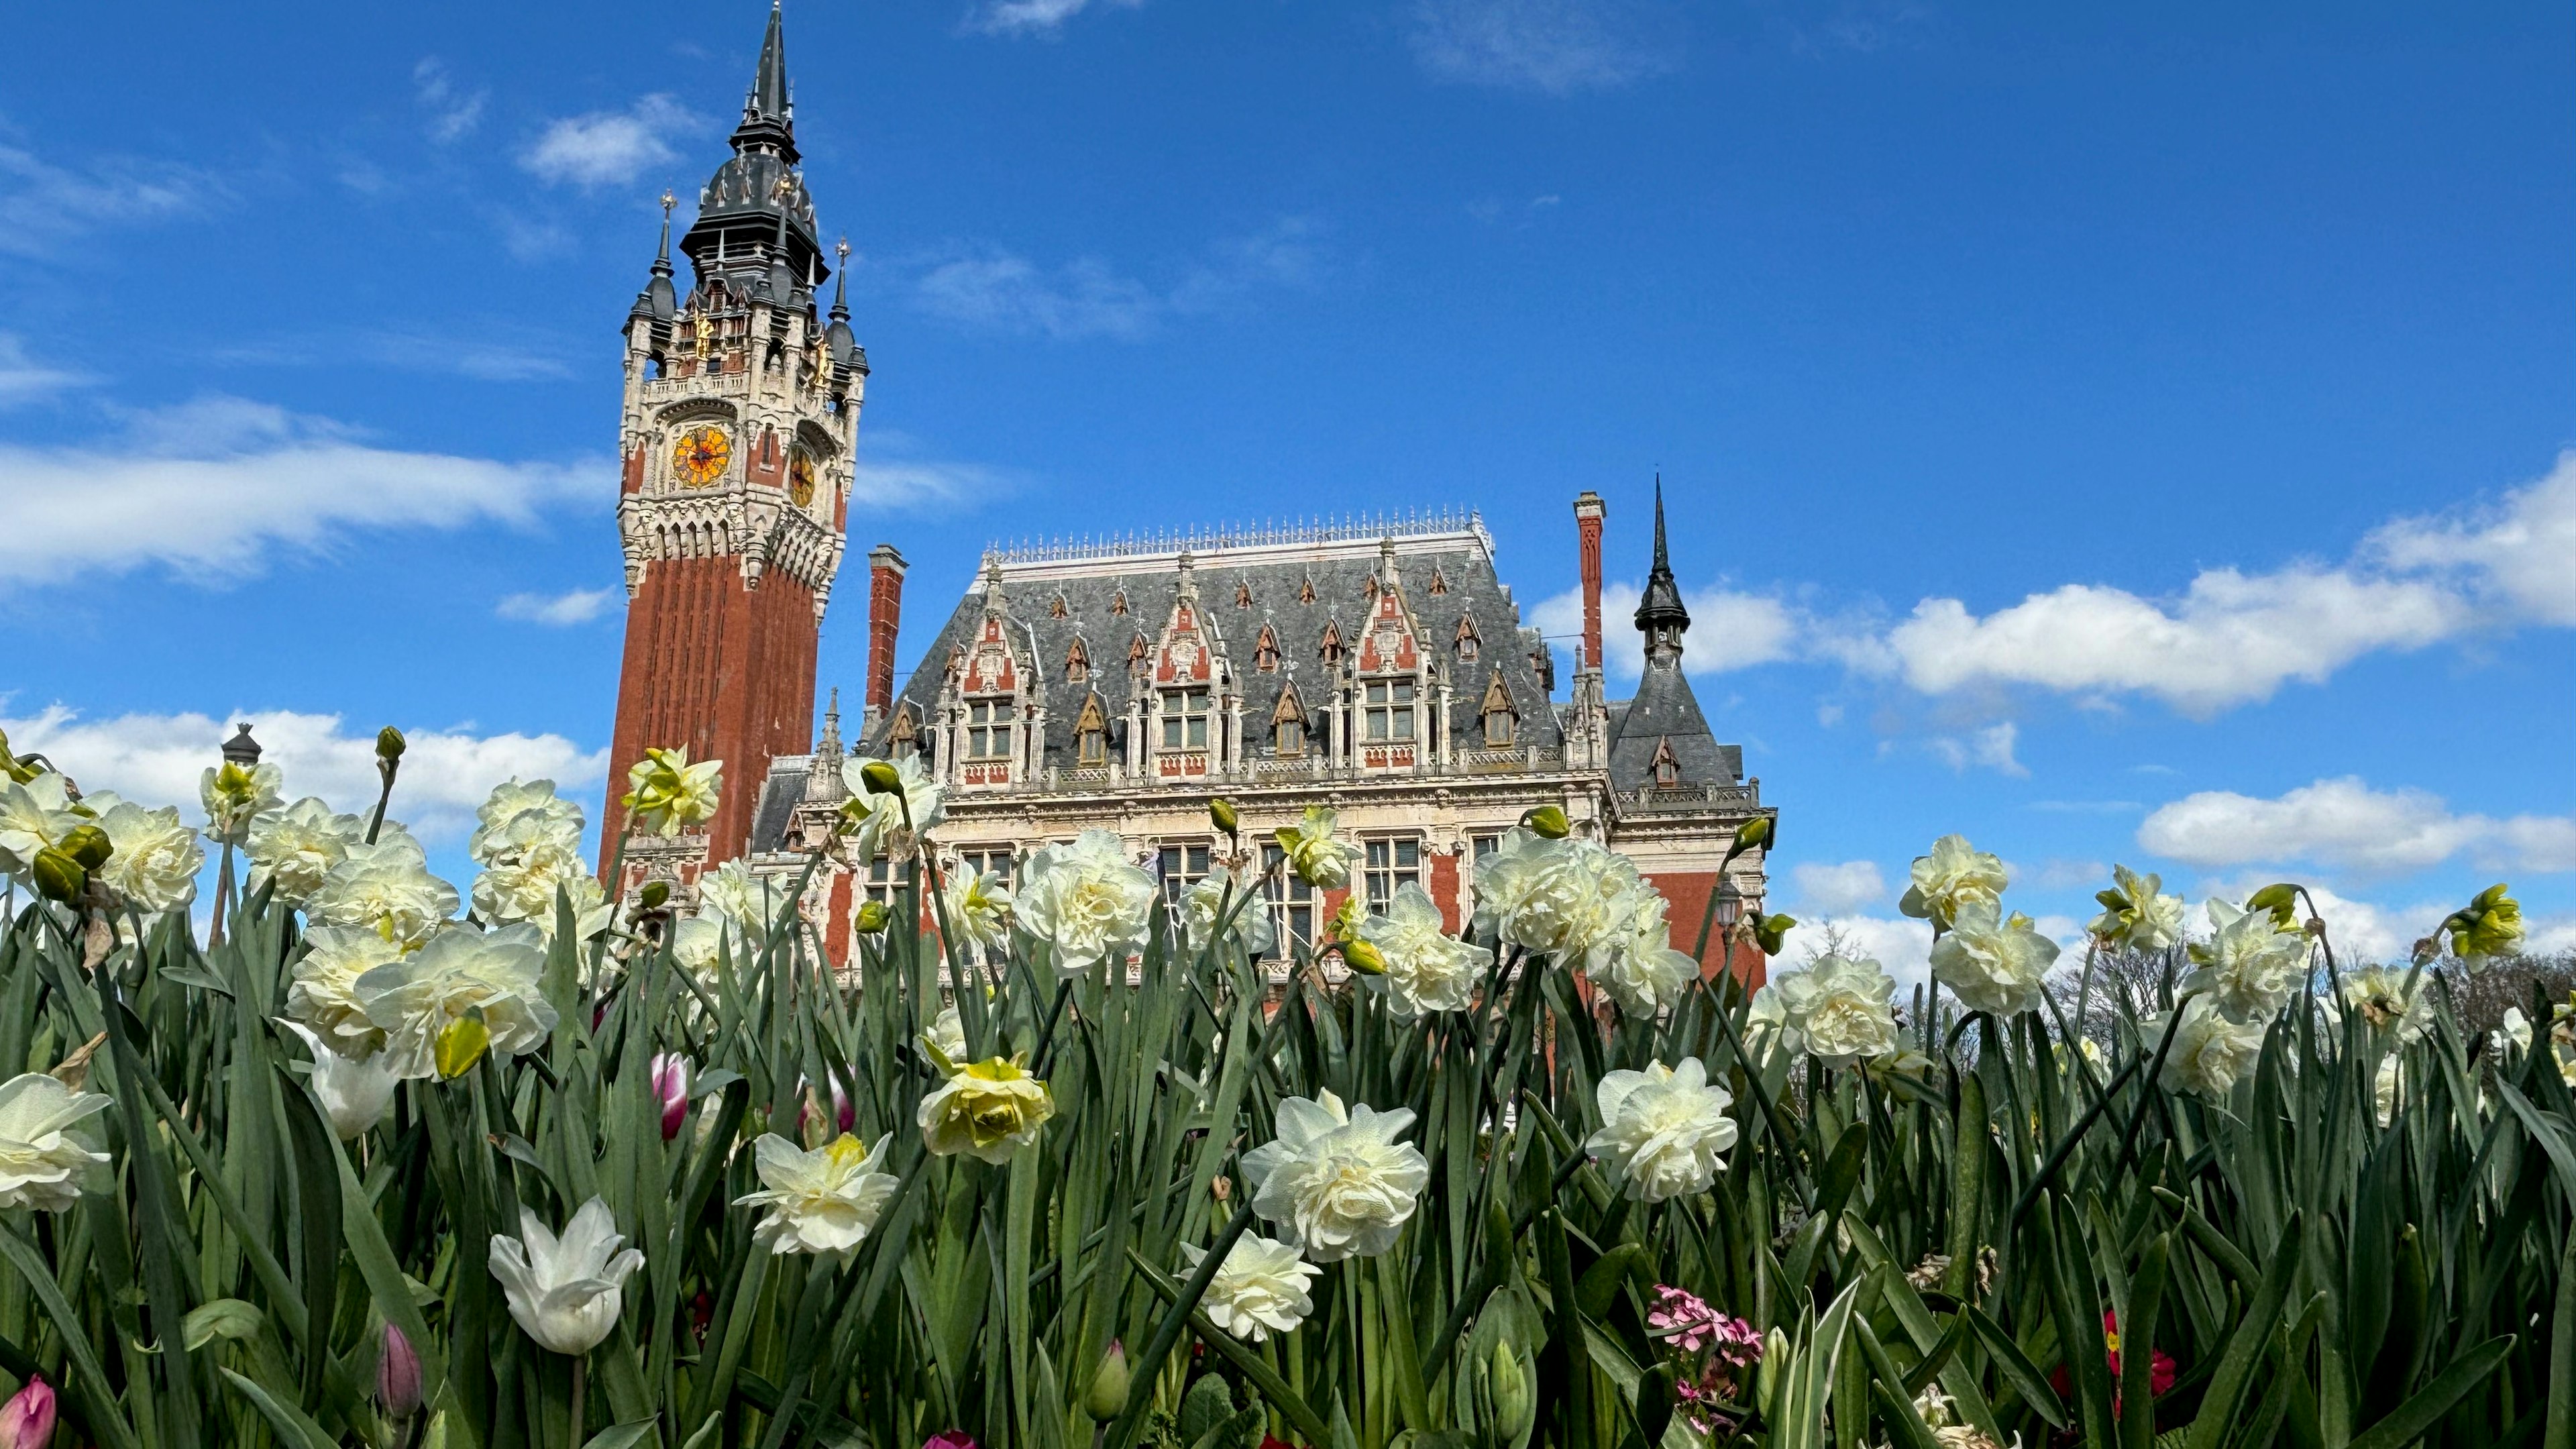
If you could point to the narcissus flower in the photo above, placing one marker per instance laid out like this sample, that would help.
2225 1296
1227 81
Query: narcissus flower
823 1201
45 1157
324 991
1836 1009
1249 926
1992 963
1083 904
948 1033
2136 914
1336 1179
1426 968
292 850
1664 1131
2209 1052
1314 856
233 795
386 888
979 910
2488 927
355 1093
2379 996
734 896
877 805
155 859
34 814
987 1111
1634 960
565 1292
487 976
1260 1288
2250 965
1955 875
516 813
665 794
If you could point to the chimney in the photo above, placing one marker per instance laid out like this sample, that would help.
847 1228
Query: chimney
1587 525
885 614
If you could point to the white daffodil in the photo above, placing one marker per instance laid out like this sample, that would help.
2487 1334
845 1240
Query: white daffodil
2385 1090
823 1201
2379 996
1314 856
44 1157
665 794
517 814
2136 913
565 1292
700 945
979 910
1635 961
1955 875
156 859
988 1111
491 976
234 795
733 895
33 815
1260 1288
1251 929
1664 1131
534 866
355 1094
293 850
2250 964
880 817
323 993
1835 1009
1992 963
2209 1051
1505 875
1426 968
1336 1179
948 1033
386 888
1082 904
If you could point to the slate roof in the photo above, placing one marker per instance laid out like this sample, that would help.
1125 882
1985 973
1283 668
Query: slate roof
1665 710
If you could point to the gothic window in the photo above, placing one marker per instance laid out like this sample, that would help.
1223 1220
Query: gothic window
1668 769
1389 705
1077 662
1467 642
1332 645
1118 602
1091 734
903 737
1501 720
1265 651
1392 865
988 729
1292 905
1242 594
1185 719
1439 581
1306 590
1055 608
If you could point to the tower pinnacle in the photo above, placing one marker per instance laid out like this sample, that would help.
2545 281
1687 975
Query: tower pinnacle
1660 615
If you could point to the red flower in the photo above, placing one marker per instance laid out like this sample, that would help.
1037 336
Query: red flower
2160 1365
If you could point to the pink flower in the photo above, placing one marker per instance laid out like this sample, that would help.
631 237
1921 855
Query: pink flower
671 1084
398 1374
27 1420
950 1440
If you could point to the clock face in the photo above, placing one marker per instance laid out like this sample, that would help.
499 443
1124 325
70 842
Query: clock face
800 478
699 458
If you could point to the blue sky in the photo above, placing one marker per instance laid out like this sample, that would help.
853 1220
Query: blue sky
2129 437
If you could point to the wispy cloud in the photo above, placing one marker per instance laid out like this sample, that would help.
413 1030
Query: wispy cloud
44 206
1990 748
1034 17
610 148
453 110
1552 46
1840 888
485 352
211 488
25 379
1002 291
2345 823
576 606
896 474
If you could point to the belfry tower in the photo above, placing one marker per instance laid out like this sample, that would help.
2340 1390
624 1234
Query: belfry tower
741 412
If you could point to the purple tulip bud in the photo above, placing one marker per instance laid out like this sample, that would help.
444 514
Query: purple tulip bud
27 1420
671 1085
398 1375
950 1440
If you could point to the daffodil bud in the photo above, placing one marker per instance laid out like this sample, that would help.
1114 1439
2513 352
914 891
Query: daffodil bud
461 1043
389 744
1514 1402
655 895
88 845
1547 822
873 917
1107 1397
880 778
1771 932
1221 812
2491 925
1753 832
1364 958
58 876
2281 900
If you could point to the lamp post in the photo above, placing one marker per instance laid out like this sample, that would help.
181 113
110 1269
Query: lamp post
241 749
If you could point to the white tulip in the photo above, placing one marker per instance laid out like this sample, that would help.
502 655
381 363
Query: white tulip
565 1292
1083 904
2209 1052
2250 964
1835 1009
1260 1288
1426 968
1950 879
495 973
1336 1179
1992 963
1252 931
355 1094
44 1157
293 850
823 1201
1664 1131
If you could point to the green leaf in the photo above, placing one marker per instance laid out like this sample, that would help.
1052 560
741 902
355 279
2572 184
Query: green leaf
2435 1399
2137 1347
622 1436
2236 1365
2017 1368
2561 1433
1599 1285
223 1318
104 1415
1905 1427
293 1425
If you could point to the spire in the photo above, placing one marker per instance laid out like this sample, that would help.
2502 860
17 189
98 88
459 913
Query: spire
823 779
657 302
1660 615
662 253
841 282
768 96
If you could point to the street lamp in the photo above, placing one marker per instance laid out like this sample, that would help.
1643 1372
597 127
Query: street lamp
241 749
1730 905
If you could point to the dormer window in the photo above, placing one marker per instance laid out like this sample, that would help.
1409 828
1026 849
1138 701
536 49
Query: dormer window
1288 724
1118 602
1439 581
1055 607
903 737
1389 707
1242 594
1466 641
988 729
1091 734
1137 650
1331 648
1668 767
1077 662
1265 651
1501 720
1306 590
1185 719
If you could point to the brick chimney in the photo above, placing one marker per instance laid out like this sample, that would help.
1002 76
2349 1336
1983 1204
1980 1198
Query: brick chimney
885 615
1587 524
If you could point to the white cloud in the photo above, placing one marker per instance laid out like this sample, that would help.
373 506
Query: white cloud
1002 291
1034 17
2517 551
2344 823
209 488
157 758
607 148
1836 890
453 110
1729 629
43 205
24 379
1553 46
1989 748
577 606
1901 945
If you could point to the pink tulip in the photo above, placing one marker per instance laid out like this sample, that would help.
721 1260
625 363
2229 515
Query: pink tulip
398 1375
671 1085
950 1440
27 1420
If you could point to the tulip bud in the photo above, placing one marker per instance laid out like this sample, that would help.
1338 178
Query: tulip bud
1753 832
27 1420
88 845
881 778
1548 822
670 1076
873 917
461 1043
1364 958
389 744
398 1375
1107 1397
655 895
58 876
1514 1403
1221 811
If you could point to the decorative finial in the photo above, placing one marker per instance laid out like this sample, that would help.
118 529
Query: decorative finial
668 201
841 249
